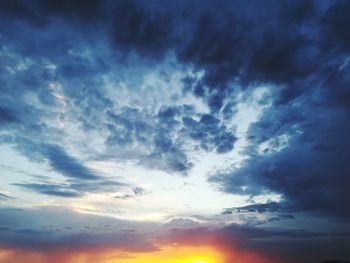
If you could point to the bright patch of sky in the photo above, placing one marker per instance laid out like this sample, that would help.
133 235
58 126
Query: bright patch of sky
165 194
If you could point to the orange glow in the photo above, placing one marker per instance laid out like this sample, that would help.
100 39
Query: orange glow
167 254
176 254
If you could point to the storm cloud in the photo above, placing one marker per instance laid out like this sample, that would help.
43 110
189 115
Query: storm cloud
159 83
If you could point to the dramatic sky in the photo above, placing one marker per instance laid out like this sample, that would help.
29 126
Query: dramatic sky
183 131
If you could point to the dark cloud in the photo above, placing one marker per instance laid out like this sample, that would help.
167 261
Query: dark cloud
73 189
286 216
292 245
210 133
78 187
86 10
294 44
255 232
299 46
132 127
102 185
134 193
4 197
59 160
310 171
6 116
226 47
33 233
146 31
279 245
160 134
259 208
334 26
59 57
39 12
67 165
49 189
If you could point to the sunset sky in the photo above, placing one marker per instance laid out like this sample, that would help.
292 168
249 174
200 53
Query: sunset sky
187 131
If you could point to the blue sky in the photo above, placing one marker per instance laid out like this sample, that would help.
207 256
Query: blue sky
227 116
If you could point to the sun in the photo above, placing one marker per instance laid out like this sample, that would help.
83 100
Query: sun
199 261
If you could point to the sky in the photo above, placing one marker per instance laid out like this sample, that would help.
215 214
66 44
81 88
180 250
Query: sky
180 131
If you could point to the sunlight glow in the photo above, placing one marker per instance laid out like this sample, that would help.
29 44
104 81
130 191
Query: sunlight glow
174 254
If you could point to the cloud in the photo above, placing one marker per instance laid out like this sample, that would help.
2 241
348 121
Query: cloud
264 244
6 116
122 81
41 91
287 245
60 228
4 197
50 189
135 193
50 229
61 162
259 208
137 30
310 171
210 133
66 165
77 187
255 232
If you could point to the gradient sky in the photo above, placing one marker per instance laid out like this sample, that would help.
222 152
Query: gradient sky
174 131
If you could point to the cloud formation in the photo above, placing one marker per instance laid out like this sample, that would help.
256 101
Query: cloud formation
155 84
50 228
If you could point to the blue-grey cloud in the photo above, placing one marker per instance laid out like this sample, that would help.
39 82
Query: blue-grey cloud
310 171
298 49
256 232
50 189
289 245
259 208
77 187
6 116
134 193
59 160
210 133
59 58
4 197
47 228
66 165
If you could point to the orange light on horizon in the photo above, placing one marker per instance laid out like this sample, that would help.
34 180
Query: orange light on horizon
167 254
175 254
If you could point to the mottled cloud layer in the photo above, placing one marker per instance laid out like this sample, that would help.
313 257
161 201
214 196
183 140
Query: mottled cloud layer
155 83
